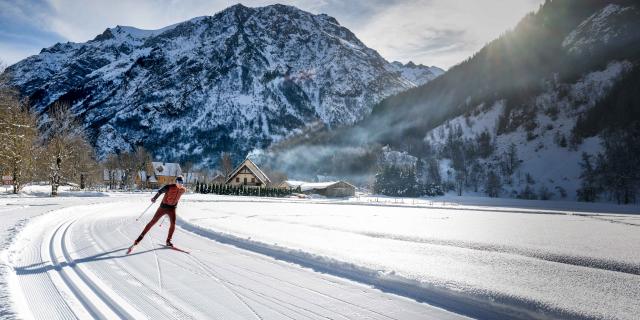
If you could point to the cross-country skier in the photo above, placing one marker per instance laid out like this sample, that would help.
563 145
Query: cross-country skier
172 193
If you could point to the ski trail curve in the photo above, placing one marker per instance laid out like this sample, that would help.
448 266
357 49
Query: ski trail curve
71 264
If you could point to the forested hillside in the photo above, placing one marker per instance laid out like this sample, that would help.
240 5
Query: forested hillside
553 87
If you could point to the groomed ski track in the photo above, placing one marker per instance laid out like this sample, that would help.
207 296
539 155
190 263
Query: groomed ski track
71 264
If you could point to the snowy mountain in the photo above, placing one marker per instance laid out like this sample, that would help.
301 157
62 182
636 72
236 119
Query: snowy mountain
516 117
418 74
235 81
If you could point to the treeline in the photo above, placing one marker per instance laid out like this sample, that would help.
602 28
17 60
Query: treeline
120 170
51 148
222 189
402 181
453 162
613 174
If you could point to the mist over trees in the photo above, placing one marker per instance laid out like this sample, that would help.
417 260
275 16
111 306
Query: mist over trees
512 70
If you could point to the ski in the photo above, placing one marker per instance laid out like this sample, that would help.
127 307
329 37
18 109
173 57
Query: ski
175 248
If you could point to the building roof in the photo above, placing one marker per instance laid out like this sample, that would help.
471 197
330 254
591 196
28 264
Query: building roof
306 186
166 169
218 177
292 183
253 168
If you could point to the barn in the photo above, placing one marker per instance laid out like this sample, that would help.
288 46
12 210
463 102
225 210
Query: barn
332 189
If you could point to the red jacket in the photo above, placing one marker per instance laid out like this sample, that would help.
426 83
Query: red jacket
172 193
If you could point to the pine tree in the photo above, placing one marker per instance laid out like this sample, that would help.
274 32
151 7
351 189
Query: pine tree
485 144
493 185
588 190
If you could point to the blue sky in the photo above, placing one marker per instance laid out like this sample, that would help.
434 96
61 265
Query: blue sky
432 32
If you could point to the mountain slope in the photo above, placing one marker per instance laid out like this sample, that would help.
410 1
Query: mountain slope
551 87
238 80
418 74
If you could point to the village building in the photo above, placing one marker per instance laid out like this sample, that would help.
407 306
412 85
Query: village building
248 174
332 189
166 172
218 179
163 173
7 179
291 184
144 181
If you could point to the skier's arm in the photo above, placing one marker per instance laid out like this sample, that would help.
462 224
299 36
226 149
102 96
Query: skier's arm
161 191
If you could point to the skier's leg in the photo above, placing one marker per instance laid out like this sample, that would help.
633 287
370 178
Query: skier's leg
159 213
172 227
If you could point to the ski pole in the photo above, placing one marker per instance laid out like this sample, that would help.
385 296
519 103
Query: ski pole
143 212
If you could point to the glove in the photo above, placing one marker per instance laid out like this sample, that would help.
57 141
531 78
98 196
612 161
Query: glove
153 199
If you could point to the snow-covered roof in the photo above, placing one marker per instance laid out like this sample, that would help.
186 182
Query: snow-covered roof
253 168
306 186
293 183
166 169
218 176
316 185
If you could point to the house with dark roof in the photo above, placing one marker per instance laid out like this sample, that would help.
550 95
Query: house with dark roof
248 174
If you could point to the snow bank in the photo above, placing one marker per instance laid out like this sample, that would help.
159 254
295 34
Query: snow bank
480 305
457 256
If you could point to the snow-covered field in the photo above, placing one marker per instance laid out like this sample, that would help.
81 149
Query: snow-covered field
64 259
365 257
515 259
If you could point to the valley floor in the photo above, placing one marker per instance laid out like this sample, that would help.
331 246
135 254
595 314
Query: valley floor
70 263
362 258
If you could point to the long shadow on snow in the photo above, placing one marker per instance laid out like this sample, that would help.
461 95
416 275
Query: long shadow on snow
47 266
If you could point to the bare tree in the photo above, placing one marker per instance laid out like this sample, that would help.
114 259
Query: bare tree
142 160
19 134
111 167
65 140
128 165
226 164
83 164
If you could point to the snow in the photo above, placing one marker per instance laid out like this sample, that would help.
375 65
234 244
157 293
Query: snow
598 28
34 190
288 69
530 258
417 74
316 185
142 33
272 258
550 165
64 258
397 158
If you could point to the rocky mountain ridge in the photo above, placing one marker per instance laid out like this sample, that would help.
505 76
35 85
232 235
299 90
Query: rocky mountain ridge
240 79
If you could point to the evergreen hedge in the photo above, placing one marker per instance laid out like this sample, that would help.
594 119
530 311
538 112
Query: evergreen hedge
242 190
